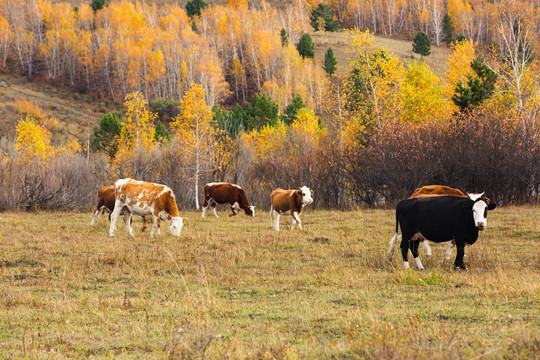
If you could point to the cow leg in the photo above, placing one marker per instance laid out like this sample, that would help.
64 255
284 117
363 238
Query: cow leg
405 238
127 221
114 216
155 226
235 208
425 246
458 263
275 215
414 250
205 206
214 206
145 224
297 219
449 250
158 231
96 213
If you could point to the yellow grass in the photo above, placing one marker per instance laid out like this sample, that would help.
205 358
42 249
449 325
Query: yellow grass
233 288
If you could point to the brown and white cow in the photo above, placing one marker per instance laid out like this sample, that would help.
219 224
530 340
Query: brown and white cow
144 198
225 193
289 202
438 190
105 202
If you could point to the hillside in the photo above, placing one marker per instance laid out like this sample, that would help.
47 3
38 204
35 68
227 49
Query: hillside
403 48
78 114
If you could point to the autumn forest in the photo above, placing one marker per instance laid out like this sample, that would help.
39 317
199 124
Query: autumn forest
232 92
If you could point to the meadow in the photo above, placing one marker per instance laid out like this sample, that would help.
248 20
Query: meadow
234 288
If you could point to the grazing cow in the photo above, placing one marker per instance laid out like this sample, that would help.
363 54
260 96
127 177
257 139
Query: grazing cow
225 193
439 219
105 202
289 202
144 198
431 191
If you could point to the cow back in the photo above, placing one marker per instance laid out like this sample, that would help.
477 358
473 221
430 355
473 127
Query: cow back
436 190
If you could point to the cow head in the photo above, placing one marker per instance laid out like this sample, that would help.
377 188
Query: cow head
305 193
250 210
480 208
176 225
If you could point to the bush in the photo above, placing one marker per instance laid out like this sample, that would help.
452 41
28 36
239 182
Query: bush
476 153
68 181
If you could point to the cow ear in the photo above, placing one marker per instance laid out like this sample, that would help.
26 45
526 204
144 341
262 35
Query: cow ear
491 206
311 192
184 220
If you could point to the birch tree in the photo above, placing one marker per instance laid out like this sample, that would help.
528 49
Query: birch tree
194 131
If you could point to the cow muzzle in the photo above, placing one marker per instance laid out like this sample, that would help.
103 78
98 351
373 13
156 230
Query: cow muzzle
481 226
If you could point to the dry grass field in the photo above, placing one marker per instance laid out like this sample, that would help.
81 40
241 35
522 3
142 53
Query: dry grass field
233 288
339 42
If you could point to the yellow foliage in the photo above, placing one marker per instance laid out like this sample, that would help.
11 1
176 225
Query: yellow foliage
381 74
267 140
137 127
71 148
237 4
33 140
424 98
28 108
459 64
195 115
307 123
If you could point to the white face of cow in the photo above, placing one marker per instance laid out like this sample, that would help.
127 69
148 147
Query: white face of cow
306 195
252 208
176 225
480 214
480 210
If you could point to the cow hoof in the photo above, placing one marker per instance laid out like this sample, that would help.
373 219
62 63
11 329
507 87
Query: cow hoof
461 267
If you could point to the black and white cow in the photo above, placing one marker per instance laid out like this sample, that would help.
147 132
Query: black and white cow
439 219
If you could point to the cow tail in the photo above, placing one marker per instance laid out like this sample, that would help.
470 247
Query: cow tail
394 240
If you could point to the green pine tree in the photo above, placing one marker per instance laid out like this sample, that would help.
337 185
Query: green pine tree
330 62
262 111
291 111
284 37
324 11
231 122
98 4
460 38
194 7
421 44
448 29
305 47
104 137
479 87
161 135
